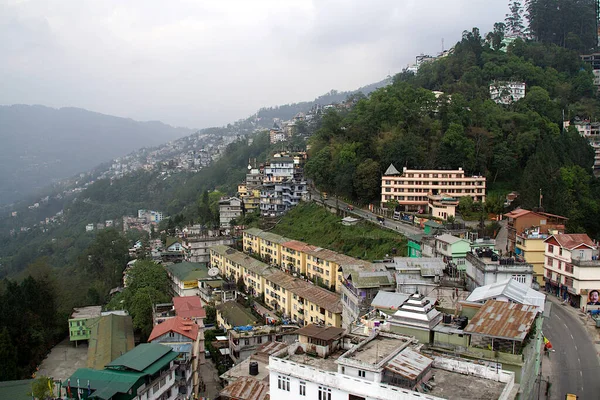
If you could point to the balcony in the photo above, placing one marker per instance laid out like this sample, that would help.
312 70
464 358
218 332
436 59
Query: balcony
586 263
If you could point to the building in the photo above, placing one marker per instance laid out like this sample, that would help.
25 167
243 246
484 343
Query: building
198 246
508 290
256 366
486 267
521 220
411 188
146 372
442 206
184 277
416 317
283 186
572 267
232 314
330 366
186 338
590 130
593 60
507 92
175 250
417 275
453 249
245 341
229 210
245 388
81 320
359 288
110 337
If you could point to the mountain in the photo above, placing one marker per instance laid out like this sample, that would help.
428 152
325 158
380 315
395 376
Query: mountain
42 144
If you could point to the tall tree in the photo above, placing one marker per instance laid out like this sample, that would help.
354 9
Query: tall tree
514 19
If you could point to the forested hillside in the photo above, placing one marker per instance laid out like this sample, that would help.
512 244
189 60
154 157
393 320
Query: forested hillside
521 146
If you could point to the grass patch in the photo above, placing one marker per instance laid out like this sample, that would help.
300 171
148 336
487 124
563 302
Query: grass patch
312 224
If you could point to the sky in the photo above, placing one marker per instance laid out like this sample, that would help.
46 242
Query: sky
201 63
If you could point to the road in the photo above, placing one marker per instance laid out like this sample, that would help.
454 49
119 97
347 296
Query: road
573 367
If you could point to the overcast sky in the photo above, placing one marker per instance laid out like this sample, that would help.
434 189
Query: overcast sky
200 63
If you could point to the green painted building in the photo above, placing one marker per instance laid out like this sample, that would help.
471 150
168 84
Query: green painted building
144 371
81 321
413 246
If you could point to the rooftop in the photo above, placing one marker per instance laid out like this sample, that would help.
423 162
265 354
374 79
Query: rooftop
446 238
298 246
271 237
455 386
188 271
86 312
370 279
573 241
189 307
184 327
144 357
236 315
511 289
247 388
428 266
503 320
374 351
409 363
389 300
321 332
326 364
250 263
111 337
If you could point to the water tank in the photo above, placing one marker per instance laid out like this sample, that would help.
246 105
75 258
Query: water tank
447 319
494 257
253 369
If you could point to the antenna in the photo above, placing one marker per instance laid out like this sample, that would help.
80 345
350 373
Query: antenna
442 45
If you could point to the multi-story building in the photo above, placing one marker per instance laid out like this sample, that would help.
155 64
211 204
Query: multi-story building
229 209
185 276
594 60
198 245
81 321
411 187
245 342
294 255
521 220
590 131
486 267
250 197
572 267
381 367
507 92
283 185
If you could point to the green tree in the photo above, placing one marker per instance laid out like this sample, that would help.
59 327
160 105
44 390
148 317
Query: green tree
456 150
367 182
41 387
514 19
8 355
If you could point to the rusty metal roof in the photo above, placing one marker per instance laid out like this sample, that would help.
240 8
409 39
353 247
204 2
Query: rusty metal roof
408 363
321 332
503 320
247 388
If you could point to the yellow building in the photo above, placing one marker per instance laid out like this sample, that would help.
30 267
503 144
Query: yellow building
293 256
530 246
250 197
267 245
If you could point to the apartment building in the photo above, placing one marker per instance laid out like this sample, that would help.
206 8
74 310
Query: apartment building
572 267
411 188
294 255
229 209
484 267
507 92
590 131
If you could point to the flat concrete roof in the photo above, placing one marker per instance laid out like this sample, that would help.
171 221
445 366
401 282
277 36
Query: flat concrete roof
454 386
327 364
374 351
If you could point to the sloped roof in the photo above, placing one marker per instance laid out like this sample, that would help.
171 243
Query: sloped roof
179 325
510 288
272 237
321 332
172 240
141 357
235 314
409 364
371 279
247 388
298 245
188 271
391 170
103 383
572 241
503 320
111 336
446 238
429 266
322 297
250 263
519 212
389 300
189 307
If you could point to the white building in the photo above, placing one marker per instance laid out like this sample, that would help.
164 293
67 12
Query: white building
229 209
508 291
483 269
507 92
572 267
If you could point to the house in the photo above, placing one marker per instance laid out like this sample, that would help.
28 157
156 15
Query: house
81 320
417 275
184 277
442 206
333 365
508 290
359 289
190 307
520 220
246 340
232 314
507 92
187 338
229 209
198 245
411 188
487 267
572 267
245 388
175 250
453 249
110 337
145 372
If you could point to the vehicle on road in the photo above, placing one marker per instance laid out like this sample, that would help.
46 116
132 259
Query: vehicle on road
569 396
324 195
350 207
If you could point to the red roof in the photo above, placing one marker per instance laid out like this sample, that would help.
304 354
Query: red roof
572 241
189 307
182 326
298 245
519 212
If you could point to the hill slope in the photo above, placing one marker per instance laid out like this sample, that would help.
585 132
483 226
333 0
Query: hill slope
42 144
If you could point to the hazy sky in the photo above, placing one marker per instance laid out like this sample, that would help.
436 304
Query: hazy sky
200 63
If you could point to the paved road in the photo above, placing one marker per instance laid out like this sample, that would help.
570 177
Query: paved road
573 367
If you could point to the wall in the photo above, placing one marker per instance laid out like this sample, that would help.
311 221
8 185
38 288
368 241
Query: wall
421 335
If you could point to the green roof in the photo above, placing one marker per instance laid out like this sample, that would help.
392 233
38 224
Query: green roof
271 237
171 240
433 224
111 336
188 271
16 390
141 357
104 383
236 315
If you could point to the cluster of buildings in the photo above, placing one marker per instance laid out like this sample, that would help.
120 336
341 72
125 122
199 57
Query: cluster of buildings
273 188
165 368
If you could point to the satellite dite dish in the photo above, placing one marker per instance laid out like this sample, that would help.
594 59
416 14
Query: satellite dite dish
249 166
213 271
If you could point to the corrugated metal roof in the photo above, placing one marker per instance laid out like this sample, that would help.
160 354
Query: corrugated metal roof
366 279
320 332
16 390
247 388
429 266
141 357
391 170
235 314
188 271
103 383
409 364
182 326
111 337
503 320
446 238
189 307
510 288
389 300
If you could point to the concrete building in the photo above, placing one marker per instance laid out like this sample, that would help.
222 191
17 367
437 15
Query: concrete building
507 92
81 320
184 277
283 185
382 366
229 209
572 267
521 220
359 289
199 245
486 267
590 130
411 187
246 341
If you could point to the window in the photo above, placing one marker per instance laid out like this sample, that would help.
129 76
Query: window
302 388
550 248
361 373
324 393
283 383
246 341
